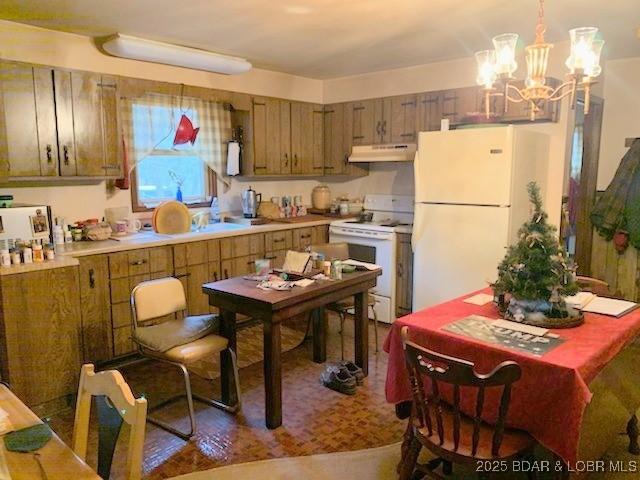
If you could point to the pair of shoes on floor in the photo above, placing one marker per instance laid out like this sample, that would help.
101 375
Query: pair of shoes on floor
343 377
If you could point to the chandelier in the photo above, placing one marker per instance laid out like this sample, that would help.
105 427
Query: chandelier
497 66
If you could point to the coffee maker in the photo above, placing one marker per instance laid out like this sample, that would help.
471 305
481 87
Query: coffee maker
250 203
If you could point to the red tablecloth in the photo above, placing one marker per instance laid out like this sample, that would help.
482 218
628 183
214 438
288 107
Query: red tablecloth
551 397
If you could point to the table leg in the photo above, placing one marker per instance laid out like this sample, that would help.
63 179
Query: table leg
361 336
228 330
272 374
319 322
634 433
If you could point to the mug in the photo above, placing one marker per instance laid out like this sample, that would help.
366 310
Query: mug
133 225
121 227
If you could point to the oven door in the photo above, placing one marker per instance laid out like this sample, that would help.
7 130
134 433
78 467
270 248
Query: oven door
372 247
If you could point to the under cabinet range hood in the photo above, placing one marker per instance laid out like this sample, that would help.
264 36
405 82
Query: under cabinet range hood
393 152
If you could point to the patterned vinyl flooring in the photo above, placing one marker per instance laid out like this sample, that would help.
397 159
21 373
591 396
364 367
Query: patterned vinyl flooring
315 419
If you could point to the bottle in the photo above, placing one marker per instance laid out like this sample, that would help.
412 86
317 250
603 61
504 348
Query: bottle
27 255
58 235
5 258
215 210
49 252
38 254
16 259
68 237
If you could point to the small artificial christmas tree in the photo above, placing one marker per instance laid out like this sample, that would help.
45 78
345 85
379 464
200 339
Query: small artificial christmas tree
534 273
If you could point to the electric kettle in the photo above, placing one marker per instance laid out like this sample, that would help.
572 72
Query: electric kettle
250 203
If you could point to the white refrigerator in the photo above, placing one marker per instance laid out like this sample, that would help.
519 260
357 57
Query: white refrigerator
471 199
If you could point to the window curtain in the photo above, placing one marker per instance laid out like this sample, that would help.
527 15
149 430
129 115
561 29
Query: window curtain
157 117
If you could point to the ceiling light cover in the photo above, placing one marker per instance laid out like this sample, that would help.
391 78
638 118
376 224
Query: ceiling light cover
125 46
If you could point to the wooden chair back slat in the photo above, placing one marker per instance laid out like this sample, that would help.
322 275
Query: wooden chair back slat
457 372
477 420
456 417
437 407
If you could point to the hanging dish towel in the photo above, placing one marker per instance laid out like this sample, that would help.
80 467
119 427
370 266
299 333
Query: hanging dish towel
233 159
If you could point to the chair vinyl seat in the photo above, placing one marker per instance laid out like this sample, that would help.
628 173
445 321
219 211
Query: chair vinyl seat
193 351
514 441
349 303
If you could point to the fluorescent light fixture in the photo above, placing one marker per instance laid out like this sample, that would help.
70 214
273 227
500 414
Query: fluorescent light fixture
136 48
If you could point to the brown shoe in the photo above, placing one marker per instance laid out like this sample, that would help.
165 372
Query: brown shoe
338 379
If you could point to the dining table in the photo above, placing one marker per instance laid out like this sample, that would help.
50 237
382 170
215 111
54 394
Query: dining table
242 295
574 398
54 461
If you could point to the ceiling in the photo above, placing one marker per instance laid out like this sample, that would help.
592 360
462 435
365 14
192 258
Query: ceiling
333 38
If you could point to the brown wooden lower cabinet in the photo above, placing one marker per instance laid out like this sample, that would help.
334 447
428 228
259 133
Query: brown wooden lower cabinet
404 275
41 349
95 302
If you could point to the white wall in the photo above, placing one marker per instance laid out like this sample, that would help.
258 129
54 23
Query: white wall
621 117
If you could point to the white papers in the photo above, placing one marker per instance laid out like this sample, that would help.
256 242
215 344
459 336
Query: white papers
233 159
357 263
479 299
609 306
520 327
305 282
580 299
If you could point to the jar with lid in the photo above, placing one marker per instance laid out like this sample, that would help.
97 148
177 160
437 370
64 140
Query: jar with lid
16 259
38 254
49 252
5 258
27 254
321 197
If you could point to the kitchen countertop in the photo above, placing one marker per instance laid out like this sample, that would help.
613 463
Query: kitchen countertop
151 239
59 262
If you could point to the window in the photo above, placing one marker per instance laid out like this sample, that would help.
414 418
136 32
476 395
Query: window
160 167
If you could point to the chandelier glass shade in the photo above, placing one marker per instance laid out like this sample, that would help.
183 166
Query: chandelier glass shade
496 68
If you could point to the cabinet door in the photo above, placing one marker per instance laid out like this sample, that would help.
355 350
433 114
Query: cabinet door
112 142
362 126
266 136
336 152
404 275
318 140
281 240
285 155
29 146
320 235
197 302
41 356
86 98
95 309
64 116
429 111
302 238
402 118
302 138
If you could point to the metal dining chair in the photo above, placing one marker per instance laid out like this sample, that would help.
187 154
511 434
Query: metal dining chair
155 299
340 251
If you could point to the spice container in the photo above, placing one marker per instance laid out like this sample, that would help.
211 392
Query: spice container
16 259
49 252
77 234
38 254
27 255
327 269
5 258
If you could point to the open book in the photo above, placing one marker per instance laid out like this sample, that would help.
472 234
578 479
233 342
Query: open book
589 302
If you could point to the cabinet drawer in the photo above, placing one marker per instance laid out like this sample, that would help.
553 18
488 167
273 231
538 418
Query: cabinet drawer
196 253
244 265
120 291
302 238
256 244
122 343
276 257
320 235
138 262
160 259
281 240
179 256
123 264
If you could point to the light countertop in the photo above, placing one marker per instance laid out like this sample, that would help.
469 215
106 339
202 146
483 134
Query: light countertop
59 262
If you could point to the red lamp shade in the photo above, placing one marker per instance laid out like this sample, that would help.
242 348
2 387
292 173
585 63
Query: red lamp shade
185 132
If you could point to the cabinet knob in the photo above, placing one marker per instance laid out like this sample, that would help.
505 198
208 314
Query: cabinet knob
226 274
65 150
49 156
92 278
286 159
400 270
138 262
215 276
295 159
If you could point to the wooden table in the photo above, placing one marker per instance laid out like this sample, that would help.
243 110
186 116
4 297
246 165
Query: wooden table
57 459
238 295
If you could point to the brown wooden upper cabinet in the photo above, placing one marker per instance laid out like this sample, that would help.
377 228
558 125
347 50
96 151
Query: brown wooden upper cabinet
338 143
307 155
58 123
382 120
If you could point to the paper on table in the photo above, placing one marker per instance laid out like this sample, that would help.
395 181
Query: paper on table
305 282
580 299
537 331
479 299
357 263
609 306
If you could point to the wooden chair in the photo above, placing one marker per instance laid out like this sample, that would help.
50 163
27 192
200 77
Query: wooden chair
340 251
442 428
115 404
163 297
593 285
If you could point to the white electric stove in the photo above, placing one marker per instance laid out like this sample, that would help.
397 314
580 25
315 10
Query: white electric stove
375 242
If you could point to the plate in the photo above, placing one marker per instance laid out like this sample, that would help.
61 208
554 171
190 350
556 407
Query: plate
172 217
